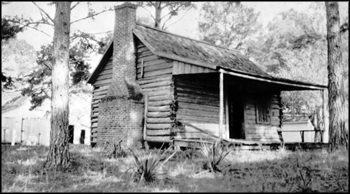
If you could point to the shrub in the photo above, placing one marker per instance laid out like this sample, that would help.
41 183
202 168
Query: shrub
213 155
147 167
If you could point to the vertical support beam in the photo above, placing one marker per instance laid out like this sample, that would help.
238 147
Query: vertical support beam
145 123
227 124
221 115
325 133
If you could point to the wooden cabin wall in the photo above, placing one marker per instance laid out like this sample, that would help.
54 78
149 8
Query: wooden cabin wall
150 66
198 105
262 132
100 88
154 75
185 68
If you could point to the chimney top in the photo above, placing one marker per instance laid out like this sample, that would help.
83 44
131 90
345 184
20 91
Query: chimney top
124 5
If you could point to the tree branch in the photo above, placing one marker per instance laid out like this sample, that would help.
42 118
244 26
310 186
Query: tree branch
48 66
152 4
74 6
89 16
37 30
175 21
165 5
41 10
43 20
149 12
176 9
163 26
100 32
27 23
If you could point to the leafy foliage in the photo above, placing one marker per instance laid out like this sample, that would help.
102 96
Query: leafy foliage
171 9
39 81
294 47
227 24
9 30
82 44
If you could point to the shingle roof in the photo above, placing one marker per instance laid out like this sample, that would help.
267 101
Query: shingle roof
165 43
168 45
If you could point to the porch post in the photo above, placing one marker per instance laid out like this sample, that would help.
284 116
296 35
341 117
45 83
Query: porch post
221 115
325 117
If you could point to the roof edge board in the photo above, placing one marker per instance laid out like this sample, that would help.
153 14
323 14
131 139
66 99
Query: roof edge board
99 66
300 85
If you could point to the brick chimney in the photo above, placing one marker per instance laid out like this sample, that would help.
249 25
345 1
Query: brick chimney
123 50
121 111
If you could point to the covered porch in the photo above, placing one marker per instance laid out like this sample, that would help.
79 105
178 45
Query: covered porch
235 121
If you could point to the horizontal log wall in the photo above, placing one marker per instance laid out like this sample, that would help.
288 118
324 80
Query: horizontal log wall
97 93
105 77
198 105
262 132
150 66
101 86
154 75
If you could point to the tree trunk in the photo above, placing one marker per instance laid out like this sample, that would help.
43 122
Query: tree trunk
158 14
58 156
337 134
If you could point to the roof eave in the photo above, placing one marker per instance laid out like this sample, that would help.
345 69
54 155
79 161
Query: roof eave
297 85
91 80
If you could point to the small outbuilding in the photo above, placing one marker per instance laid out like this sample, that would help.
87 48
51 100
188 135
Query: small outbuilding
155 86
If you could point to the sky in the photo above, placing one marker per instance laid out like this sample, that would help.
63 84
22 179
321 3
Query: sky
105 22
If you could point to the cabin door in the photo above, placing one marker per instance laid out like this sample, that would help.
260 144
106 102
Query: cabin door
235 115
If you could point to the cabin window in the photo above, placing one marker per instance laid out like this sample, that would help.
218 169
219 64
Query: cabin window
263 110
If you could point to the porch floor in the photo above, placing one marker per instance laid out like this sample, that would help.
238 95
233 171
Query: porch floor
251 145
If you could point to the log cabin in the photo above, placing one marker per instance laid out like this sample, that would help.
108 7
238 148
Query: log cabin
190 90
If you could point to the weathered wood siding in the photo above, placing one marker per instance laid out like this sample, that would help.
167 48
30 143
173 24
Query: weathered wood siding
197 104
98 93
184 68
150 66
262 132
100 89
154 75
105 77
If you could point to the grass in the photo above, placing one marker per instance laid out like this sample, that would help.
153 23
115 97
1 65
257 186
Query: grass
241 171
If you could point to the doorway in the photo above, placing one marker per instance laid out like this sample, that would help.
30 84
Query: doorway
82 137
235 114
70 133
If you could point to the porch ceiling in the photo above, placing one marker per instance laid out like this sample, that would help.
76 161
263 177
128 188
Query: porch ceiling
255 83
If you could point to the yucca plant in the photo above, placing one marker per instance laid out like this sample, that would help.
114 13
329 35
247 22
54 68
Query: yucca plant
147 168
213 154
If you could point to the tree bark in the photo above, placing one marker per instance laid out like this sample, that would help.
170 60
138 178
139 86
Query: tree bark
58 156
158 14
337 134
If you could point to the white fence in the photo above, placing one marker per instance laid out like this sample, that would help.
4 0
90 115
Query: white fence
300 131
28 131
